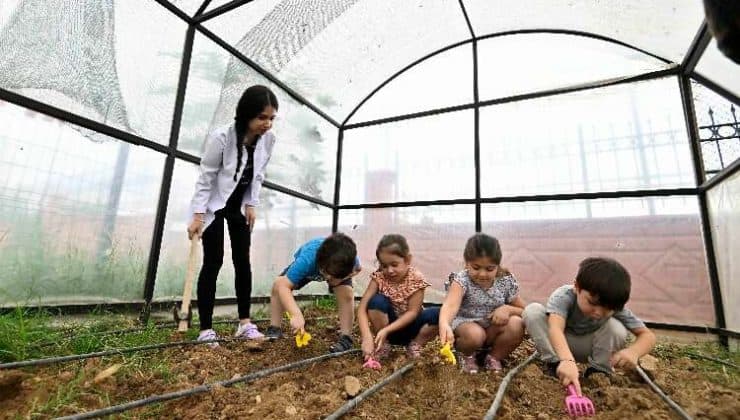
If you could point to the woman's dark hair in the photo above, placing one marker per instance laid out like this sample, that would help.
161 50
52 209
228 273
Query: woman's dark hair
395 244
254 100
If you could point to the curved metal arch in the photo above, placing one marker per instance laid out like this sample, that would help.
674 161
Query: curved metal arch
497 35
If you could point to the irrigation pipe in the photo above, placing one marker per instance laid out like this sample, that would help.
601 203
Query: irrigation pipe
720 361
354 402
202 388
60 359
491 413
155 327
677 408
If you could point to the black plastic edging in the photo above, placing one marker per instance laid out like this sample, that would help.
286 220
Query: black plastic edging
203 388
491 413
351 404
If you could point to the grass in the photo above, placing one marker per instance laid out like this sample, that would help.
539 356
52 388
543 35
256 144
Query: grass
714 372
326 303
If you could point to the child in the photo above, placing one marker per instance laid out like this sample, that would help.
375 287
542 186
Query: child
231 172
587 322
482 307
392 303
333 260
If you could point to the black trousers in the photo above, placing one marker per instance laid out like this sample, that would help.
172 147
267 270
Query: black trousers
213 258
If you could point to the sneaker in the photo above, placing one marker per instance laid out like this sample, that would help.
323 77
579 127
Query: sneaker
248 331
343 344
273 333
550 368
413 350
469 364
207 335
492 364
592 370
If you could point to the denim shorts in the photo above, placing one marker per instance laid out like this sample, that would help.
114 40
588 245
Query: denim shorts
382 303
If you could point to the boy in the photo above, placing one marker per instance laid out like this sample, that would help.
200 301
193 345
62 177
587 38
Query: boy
333 260
587 322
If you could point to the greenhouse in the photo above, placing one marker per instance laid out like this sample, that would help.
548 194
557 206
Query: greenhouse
564 129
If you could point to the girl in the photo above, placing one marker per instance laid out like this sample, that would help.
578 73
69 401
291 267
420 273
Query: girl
232 169
482 307
392 303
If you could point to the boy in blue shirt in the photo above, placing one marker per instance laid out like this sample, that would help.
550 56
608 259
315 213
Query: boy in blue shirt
332 259
587 322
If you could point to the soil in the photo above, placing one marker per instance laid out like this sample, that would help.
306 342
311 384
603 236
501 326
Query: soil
431 390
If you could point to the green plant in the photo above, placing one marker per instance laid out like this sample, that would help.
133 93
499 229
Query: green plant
19 330
326 303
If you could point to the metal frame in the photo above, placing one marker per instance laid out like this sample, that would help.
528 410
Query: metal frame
684 71
687 101
696 49
169 168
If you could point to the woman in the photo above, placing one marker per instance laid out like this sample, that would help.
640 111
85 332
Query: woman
232 169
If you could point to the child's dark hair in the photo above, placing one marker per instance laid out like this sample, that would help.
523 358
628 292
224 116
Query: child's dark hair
606 280
395 244
336 255
254 100
481 245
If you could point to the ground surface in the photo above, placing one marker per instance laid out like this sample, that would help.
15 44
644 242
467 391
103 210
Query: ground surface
430 390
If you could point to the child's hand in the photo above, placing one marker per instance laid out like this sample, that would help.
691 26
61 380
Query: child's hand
568 373
297 323
380 337
500 316
446 335
624 359
368 347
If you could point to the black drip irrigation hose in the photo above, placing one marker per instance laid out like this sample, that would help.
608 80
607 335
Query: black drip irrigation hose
354 402
714 359
677 408
491 413
61 359
202 388
151 327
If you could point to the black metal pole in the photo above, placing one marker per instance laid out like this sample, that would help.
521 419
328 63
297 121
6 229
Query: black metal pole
696 49
687 100
220 10
476 120
201 9
337 181
721 176
692 191
657 74
169 166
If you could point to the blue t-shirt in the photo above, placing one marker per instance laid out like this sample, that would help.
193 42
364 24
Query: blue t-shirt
304 269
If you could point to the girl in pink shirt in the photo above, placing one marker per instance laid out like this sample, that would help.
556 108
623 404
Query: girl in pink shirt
392 303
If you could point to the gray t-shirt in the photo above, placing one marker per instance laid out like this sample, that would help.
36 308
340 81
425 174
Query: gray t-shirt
563 302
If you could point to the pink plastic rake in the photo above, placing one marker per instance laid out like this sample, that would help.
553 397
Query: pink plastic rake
578 406
372 364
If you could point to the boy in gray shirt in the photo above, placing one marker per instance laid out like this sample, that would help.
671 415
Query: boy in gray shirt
587 322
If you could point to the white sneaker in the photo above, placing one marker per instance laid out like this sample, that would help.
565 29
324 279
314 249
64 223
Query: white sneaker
207 335
248 331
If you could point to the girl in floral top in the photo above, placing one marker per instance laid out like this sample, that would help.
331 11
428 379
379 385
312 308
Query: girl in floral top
483 307
392 303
